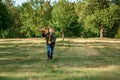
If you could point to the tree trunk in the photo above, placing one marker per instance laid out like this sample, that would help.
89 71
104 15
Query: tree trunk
63 36
101 32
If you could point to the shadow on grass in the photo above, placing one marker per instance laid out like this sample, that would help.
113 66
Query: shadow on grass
11 78
24 54
32 57
94 78
95 61
89 54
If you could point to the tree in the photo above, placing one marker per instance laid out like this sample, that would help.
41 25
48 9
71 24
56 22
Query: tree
4 20
26 17
84 10
98 14
62 15
115 20
85 18
34 15
15 22
117 2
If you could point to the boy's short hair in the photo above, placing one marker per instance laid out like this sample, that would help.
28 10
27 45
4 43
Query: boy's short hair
51 28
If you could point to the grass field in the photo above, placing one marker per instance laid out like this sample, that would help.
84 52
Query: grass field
74 59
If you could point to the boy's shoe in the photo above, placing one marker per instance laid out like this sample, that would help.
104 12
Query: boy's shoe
51 57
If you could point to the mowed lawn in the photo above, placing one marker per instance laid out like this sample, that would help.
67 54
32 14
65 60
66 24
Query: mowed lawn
74 59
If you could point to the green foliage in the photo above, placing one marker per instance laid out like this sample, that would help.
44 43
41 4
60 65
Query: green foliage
35 15
97 15
10 20
83 18
4 20
117 2
64 17
89 29
26 17
118 34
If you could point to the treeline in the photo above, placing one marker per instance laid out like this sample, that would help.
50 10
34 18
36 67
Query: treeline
82 18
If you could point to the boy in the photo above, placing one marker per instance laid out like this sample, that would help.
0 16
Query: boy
50 41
